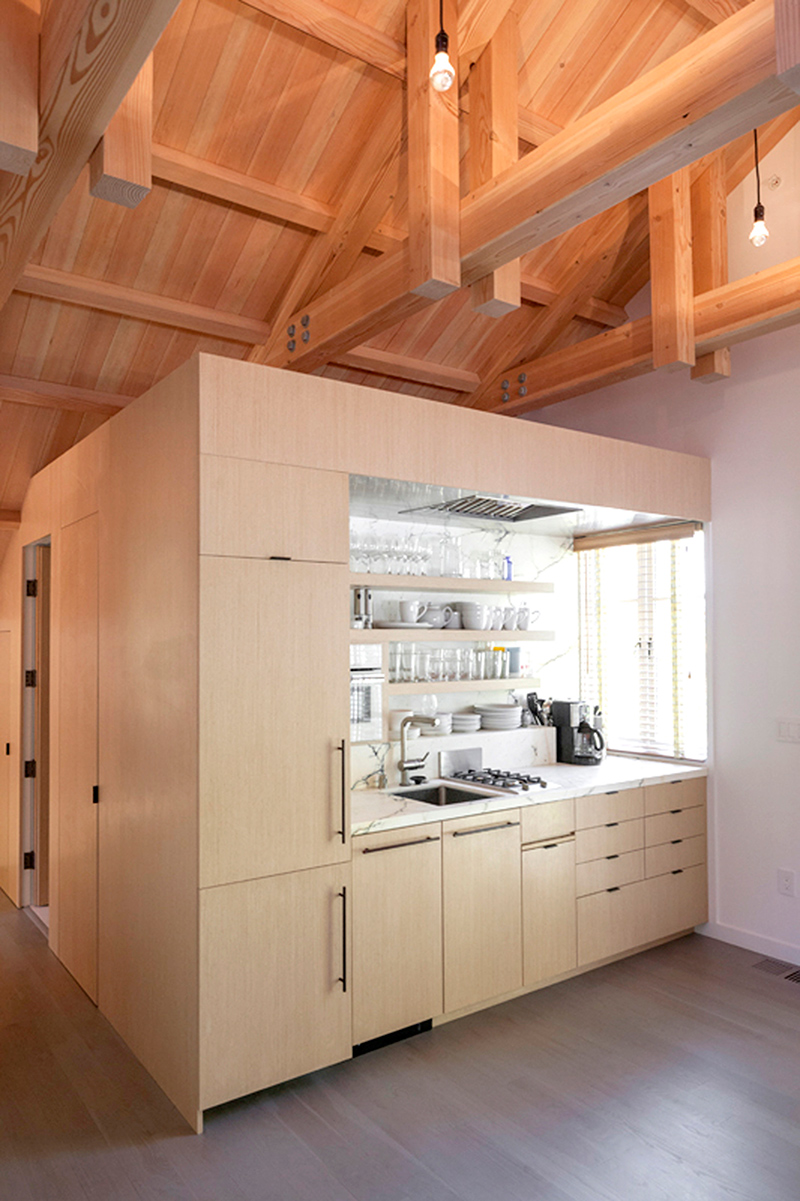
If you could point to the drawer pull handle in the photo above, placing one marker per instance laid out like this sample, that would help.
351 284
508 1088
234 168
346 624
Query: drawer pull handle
610 824
614 889
678 871
483 829
343 832
676 811
343 977
612 856
549 846
414 842
614 792
676 841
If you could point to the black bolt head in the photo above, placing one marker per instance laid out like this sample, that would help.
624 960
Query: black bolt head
290 345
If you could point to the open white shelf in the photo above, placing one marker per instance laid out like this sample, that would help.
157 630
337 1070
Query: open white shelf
430 686
501 637
429 583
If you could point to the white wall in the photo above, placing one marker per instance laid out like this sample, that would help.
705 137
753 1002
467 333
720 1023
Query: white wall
749 426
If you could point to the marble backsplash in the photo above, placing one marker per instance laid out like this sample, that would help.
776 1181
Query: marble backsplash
533 746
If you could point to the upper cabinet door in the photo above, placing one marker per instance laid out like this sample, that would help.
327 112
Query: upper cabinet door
274 717
268 510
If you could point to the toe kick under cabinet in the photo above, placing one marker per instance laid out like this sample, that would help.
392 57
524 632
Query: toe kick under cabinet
641 866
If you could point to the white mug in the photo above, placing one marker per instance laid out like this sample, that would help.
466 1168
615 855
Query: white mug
525 618
497 617
453 622
439 615
510 618
412 610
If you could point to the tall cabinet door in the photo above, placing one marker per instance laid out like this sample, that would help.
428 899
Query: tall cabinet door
274 691
77 734
274 980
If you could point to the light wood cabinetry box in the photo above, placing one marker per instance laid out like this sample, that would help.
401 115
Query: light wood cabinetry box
482 889
220 861
397 930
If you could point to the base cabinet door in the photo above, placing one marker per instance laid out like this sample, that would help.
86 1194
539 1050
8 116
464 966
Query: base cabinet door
274 980
548 908
482 889
397 930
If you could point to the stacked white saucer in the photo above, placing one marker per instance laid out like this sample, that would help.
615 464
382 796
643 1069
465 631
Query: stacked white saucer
500 716
466 723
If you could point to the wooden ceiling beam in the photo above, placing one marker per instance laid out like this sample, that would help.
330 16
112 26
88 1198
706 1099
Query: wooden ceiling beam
42 394
710 252
735 312
672 292
532 127
419 371
19 86
433 158
717 10
689 105
10 519
537 291
143 306
493 146
84 79
335 28
220 183
120 169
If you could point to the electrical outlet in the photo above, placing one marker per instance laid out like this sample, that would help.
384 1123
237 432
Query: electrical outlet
788 730
785 883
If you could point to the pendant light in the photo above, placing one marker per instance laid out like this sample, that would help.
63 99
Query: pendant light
759 233
442 73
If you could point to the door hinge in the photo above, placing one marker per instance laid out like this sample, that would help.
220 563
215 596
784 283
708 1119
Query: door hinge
30 679
29 860
30 769
31 587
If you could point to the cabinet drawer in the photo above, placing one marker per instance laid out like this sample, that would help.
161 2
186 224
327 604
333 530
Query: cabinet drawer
669 856
666 827
551 819
609 807
548 907
613 839
611 872
610 923
678 794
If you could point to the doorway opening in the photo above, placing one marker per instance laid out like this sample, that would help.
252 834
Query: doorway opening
35 832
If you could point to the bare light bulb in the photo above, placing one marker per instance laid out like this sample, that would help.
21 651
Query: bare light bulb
759 233
442 73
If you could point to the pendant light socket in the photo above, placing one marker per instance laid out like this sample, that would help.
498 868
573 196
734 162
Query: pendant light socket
442 73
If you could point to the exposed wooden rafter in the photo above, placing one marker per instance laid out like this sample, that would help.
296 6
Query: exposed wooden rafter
19 86
42 394
736 312
396 366
144 306
120 169
710 252
689 105
335 28
433 159
723 81
478 21
493 146
84 78
671 287
10 519
220 183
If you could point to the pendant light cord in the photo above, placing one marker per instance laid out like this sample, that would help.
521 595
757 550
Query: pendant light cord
441 16
758 173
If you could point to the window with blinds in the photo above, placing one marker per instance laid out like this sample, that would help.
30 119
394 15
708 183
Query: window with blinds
642 643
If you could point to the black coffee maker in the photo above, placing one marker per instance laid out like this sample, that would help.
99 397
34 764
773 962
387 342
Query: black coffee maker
577 741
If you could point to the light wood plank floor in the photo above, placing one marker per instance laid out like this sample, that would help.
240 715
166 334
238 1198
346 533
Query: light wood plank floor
673 1076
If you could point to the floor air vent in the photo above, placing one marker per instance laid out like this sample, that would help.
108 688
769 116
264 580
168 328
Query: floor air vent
775 967
794 977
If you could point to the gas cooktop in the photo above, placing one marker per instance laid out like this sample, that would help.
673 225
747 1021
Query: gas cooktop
491 777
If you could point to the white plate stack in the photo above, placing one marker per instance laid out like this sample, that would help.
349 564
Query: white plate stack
499 717
466 723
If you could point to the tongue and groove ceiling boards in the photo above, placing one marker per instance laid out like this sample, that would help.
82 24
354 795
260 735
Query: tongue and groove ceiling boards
293 161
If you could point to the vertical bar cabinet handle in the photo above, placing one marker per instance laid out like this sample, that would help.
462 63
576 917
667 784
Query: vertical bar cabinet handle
343 977
343 830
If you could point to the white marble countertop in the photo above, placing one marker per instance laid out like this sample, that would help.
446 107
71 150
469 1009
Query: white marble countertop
373 809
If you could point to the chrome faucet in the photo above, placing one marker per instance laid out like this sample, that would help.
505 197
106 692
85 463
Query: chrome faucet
406 765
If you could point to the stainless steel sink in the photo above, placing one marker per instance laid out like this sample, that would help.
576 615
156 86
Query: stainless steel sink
437 792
